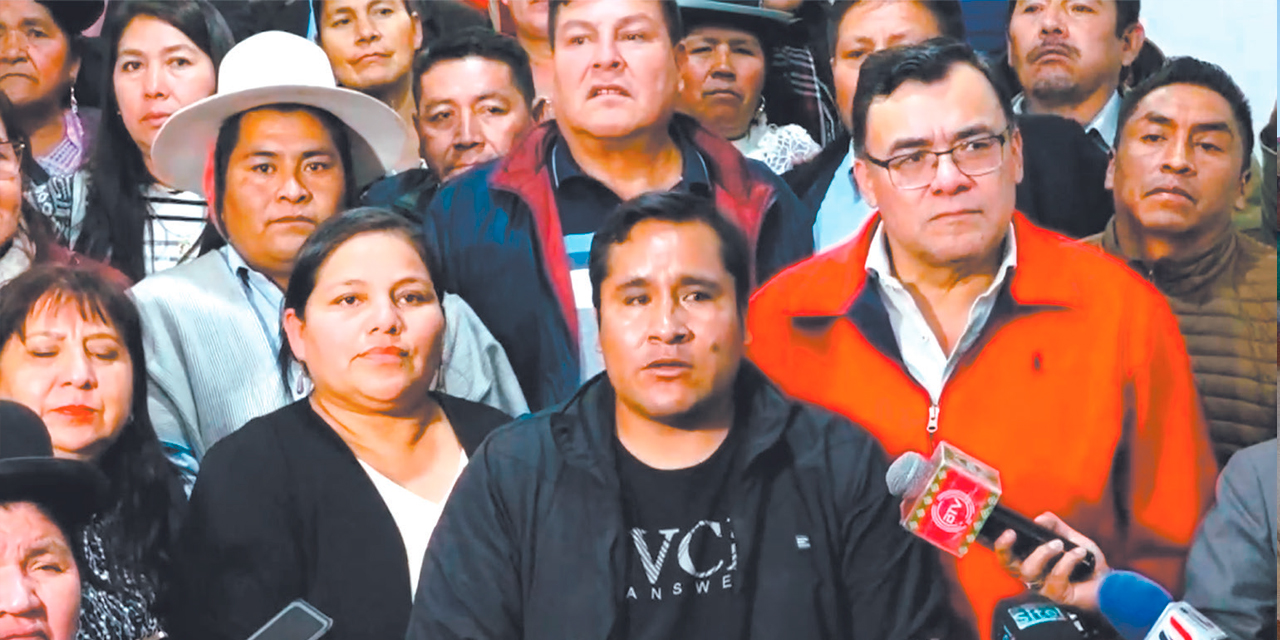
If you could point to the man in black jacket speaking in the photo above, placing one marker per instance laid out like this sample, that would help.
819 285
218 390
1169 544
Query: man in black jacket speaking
679 494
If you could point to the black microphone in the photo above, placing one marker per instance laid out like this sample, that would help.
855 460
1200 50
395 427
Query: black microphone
1031 616
944 499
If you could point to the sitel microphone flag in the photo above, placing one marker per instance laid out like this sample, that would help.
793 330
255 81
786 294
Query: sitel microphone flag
952 500
947 499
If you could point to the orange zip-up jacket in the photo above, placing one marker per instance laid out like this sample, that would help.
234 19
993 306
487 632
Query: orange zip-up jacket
1079 392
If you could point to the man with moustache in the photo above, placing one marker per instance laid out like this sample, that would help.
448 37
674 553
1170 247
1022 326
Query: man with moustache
1061 188
474 92
1181 164
1069 57
952 318
289 149
513 235
679 494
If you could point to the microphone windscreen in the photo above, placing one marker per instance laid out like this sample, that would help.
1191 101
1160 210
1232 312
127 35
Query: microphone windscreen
906 471
1132 603
1031 616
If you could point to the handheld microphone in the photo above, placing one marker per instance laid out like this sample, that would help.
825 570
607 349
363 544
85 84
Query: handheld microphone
952 500
1035 617
1031 616
1142 610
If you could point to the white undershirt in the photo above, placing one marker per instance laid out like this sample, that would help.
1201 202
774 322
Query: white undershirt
415 516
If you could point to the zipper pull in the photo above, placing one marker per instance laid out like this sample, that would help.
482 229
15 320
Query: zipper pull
932 427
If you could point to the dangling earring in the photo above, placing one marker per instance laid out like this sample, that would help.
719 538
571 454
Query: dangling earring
759 116
75 108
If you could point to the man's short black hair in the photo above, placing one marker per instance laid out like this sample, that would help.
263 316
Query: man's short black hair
411 7
927 62
1188 70
478 42
670 11
676 207
947 13
1127 13
229 137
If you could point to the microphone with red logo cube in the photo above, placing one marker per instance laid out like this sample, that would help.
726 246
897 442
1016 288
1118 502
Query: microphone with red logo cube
952 500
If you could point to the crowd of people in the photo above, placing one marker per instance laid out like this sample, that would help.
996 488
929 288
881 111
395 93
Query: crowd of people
604 318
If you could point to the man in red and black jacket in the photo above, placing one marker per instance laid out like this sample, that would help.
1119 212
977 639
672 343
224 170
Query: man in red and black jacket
512 236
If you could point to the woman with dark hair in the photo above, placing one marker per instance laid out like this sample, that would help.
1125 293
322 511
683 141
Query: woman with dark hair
333 498
26 237
72 352
38 67
723 61
161 56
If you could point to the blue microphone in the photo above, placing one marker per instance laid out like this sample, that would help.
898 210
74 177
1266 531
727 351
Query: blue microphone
1140 609
1132 603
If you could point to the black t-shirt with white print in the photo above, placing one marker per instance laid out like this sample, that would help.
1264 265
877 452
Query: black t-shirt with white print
681 558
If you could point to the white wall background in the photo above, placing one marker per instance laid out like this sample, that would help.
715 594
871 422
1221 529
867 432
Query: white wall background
1238 35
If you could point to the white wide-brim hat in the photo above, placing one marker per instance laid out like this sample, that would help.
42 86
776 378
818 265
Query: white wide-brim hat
275 67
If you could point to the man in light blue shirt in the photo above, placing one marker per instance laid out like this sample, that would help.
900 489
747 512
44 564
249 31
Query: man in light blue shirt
1070 58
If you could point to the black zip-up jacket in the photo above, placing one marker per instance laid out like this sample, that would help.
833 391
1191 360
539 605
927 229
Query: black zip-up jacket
532 543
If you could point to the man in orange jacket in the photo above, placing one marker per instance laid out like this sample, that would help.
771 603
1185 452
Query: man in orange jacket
951 317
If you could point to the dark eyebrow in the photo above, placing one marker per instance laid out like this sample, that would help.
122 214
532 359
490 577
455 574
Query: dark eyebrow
975 130
634 18
1210 127
1157 119
33 22
731 41
700 282
165 51
638 281
47 546
909 143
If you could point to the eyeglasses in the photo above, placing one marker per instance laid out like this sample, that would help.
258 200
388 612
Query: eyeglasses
11 158
975 157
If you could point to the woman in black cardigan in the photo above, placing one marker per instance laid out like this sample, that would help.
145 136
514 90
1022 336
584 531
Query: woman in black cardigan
332 499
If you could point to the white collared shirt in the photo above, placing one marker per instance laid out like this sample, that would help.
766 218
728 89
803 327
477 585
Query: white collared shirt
1105 123
921 352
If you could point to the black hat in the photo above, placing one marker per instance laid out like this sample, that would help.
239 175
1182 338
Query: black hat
29 473
766 24
74 16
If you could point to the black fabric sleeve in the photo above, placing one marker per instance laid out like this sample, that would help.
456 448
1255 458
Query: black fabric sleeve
786 234
895 585
470 582
239 558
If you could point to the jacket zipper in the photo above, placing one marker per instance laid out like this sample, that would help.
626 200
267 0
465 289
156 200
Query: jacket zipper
932 427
